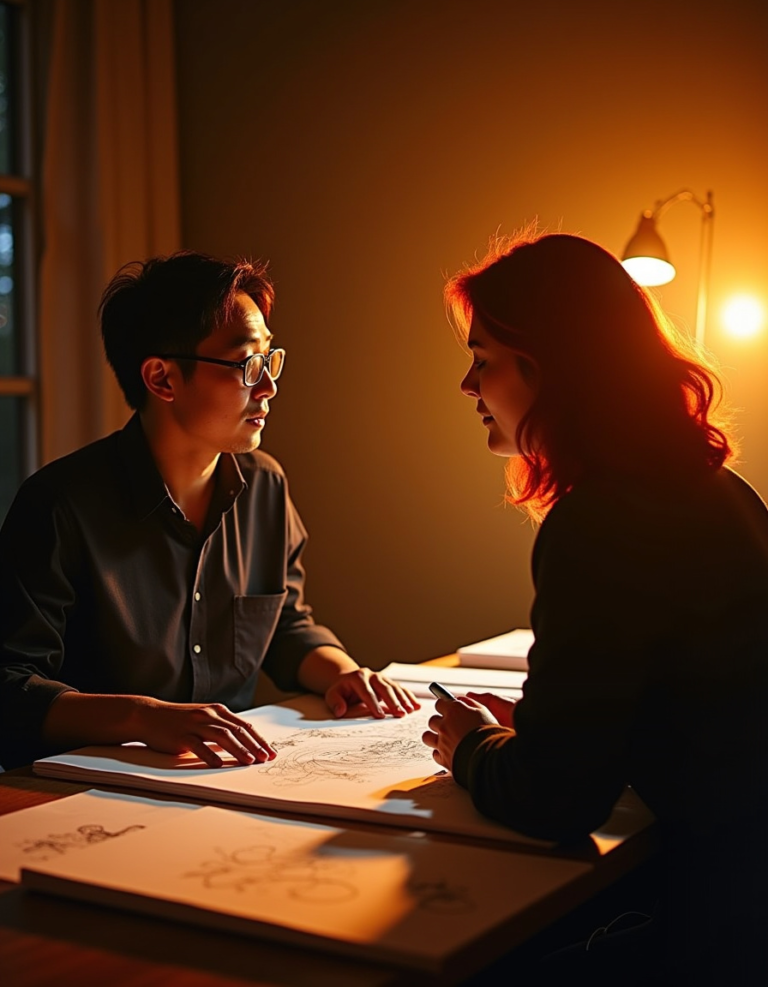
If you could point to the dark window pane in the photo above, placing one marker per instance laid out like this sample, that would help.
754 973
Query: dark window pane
10 450
7 157
9 342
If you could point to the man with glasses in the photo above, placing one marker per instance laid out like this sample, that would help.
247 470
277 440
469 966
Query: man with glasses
146 578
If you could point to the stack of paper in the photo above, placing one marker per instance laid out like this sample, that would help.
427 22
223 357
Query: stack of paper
459 680
508 650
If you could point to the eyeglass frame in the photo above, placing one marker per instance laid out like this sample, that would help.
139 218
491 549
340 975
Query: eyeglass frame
234 364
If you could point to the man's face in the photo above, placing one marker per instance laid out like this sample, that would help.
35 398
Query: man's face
213 407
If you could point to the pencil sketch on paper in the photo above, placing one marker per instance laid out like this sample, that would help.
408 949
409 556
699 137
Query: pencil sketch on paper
442 897
313 879
57 844
311 755
307 878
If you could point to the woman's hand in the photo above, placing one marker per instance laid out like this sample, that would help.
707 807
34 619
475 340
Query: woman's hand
373 690
503 709
453 720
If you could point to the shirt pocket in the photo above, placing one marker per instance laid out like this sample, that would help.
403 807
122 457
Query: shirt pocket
255 622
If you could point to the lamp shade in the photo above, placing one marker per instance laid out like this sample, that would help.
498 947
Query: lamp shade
645 256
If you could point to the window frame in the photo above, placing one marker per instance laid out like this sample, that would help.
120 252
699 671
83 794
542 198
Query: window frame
20 185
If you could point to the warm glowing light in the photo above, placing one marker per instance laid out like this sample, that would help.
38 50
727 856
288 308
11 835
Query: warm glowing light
743 316
649 271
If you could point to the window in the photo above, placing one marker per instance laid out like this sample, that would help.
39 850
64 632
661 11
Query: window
18 385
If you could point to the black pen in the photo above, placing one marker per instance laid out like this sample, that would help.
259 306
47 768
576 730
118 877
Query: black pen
440 692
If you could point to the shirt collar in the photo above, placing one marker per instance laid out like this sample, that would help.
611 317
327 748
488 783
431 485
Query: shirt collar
146 485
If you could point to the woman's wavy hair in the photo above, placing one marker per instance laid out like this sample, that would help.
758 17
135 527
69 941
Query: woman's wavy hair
617 390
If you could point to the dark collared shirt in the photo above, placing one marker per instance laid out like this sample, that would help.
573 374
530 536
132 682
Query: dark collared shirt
105 586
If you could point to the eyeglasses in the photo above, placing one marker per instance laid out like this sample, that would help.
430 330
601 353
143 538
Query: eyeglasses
253 367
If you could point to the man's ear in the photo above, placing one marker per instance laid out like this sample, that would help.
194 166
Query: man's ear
159 377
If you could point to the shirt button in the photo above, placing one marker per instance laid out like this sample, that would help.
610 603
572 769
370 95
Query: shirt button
197 597
197 649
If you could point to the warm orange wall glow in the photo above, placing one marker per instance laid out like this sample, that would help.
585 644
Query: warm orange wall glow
368 149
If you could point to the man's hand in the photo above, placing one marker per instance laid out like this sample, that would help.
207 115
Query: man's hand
76 719
373 690
178 727
332 673
453 720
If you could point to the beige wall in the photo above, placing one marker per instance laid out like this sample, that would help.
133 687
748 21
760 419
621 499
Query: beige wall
368 148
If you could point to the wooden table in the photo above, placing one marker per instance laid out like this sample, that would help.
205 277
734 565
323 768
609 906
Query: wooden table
44 940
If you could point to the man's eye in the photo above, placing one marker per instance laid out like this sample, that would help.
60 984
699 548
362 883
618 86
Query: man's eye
478 364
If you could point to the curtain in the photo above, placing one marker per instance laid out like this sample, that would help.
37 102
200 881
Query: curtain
109 195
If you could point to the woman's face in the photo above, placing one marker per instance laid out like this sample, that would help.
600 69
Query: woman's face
496 383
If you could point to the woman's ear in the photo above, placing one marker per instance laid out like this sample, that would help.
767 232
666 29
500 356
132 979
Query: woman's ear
529 371
159 377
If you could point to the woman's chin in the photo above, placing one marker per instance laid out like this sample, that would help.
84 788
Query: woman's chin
501 447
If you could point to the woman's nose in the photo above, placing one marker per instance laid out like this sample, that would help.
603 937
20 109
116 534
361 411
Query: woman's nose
468 386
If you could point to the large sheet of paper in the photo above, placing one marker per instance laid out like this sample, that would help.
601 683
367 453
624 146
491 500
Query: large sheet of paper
72 825
405 899
376 770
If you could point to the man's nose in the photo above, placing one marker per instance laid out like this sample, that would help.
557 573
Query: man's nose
265 386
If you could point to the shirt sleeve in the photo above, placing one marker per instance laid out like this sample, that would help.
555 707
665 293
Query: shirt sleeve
296 633
559 773
37 591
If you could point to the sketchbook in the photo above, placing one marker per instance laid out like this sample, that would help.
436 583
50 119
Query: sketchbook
374 770
508 650
408 900
74 825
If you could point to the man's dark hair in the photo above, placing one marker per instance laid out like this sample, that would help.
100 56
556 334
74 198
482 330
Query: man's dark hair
169 305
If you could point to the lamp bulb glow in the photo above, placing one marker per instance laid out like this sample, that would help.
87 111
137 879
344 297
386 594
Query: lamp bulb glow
743 316
649 271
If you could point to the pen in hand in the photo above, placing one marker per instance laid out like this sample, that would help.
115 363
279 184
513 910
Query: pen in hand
440 692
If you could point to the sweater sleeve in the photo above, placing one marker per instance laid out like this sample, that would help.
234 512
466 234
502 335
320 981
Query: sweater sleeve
558 774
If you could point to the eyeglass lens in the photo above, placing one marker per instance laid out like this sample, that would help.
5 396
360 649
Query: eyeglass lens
255 366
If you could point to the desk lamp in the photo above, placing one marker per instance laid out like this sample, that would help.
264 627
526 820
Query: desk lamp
646 260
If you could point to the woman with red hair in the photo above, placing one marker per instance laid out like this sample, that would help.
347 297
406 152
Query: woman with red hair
650 568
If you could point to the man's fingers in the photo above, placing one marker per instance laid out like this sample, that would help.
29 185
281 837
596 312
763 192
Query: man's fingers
203 752
254 740
238 742
250 738
361 688
390 695
377 693
405 699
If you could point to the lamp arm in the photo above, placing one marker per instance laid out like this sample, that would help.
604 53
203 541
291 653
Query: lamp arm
684 195
705 248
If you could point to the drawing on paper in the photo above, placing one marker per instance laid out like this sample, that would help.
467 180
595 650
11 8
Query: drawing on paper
442 897
58 844
310 755
307 878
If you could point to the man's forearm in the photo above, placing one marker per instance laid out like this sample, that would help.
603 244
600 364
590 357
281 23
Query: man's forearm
322 666
203 729
76 719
